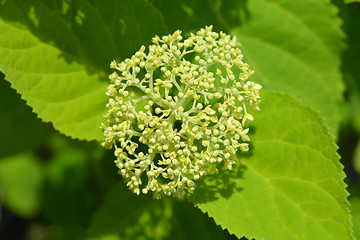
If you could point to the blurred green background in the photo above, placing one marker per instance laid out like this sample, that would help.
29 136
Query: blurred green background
53 187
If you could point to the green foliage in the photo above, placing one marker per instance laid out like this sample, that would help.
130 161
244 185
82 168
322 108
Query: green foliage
355 210
293 158
351 63
357 158
66 192
124 215
300 57
18 120
65 188
62 74
20 183
290 185
351 1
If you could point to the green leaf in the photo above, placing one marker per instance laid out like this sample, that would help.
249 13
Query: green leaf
289 186
124 215
190 223
20 183
19 127
295 46
56 54
355 211
189 15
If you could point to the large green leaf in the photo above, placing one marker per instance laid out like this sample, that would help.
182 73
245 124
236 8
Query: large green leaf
56 54
190 15
289 186
355 212
20 183
295 46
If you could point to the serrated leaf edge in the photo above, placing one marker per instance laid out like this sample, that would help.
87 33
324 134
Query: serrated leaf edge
338 164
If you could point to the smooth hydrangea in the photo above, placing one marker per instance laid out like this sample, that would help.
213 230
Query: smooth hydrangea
179 111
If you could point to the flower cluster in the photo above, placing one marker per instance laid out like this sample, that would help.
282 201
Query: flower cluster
178 112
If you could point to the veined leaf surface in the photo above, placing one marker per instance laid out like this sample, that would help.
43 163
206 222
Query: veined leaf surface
56 54
289 186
